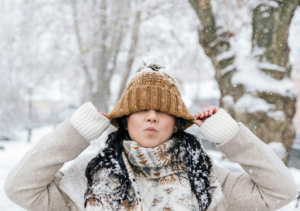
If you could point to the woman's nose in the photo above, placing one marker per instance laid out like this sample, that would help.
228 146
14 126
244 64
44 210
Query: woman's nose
152 117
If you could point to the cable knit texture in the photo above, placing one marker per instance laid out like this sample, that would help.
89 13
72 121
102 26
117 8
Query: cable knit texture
147 188
88 122
220 127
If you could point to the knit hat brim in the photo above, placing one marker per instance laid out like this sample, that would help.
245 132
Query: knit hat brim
150 97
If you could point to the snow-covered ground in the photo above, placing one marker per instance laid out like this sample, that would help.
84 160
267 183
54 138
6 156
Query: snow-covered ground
14 150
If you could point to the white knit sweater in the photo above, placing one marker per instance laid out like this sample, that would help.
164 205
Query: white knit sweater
218 128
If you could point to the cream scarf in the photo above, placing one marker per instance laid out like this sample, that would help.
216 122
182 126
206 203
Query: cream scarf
172 193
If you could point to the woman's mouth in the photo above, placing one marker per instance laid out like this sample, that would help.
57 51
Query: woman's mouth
151 131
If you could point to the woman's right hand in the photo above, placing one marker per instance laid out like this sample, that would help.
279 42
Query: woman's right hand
102 113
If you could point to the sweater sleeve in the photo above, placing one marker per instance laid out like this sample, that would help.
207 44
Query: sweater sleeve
34 182
266 184
88 122
220 127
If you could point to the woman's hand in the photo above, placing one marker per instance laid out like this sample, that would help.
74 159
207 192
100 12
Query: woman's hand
201 116
102 113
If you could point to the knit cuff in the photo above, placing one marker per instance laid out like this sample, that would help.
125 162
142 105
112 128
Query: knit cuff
88 122
219 128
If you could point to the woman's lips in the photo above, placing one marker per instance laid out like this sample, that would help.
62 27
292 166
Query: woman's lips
151 131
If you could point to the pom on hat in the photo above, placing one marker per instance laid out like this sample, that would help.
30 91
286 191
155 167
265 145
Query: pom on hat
150 64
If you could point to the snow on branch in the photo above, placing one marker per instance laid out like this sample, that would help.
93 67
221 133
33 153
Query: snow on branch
255 3
269 66
254 79
227 69
226 55
252 104
277 115
228 100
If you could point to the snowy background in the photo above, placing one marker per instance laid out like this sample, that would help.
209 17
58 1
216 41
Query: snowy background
41 62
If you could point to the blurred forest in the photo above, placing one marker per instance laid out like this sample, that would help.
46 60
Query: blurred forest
241 55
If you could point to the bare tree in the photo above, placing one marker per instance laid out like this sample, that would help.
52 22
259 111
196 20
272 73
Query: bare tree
132 50
99 49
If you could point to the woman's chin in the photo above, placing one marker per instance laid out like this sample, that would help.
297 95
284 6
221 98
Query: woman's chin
150 143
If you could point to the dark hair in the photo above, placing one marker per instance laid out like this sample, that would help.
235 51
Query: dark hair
196 168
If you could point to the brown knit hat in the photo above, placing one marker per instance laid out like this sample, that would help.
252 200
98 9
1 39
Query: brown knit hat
151 89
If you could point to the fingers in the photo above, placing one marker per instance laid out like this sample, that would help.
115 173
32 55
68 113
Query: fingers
212 110
198 122
103 113
215 109
206 112
201 116
100 112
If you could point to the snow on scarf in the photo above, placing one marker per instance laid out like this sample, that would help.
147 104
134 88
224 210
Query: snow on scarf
187 185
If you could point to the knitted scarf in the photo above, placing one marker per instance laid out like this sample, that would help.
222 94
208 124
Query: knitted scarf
154 162
174 191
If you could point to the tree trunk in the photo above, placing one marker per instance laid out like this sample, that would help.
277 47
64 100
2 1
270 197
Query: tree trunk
270 53
104 50
88 82
271 24
101 95
131 54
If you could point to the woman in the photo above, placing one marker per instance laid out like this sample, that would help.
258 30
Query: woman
150 163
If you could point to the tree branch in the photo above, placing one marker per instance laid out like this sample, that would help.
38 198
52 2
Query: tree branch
80 46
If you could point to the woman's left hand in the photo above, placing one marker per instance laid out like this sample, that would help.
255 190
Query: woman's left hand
201 116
